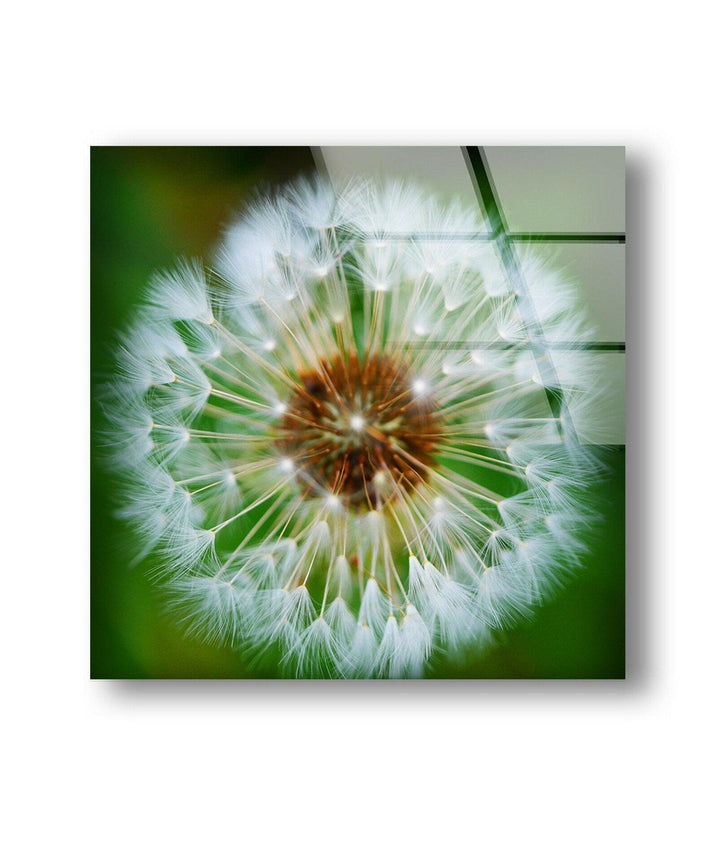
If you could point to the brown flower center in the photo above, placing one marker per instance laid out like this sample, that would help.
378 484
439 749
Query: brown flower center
359 430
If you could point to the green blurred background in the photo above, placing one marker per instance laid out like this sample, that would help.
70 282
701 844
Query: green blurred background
150 205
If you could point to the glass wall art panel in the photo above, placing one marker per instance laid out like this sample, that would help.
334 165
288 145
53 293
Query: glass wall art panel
358 412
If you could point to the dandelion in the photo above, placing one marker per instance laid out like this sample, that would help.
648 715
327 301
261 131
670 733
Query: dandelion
350 444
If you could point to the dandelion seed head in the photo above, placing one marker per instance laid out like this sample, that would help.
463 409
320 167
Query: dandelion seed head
384 485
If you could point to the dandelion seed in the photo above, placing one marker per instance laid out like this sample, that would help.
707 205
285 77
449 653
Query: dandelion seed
326 452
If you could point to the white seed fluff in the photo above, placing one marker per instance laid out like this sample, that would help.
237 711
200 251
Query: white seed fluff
285 500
